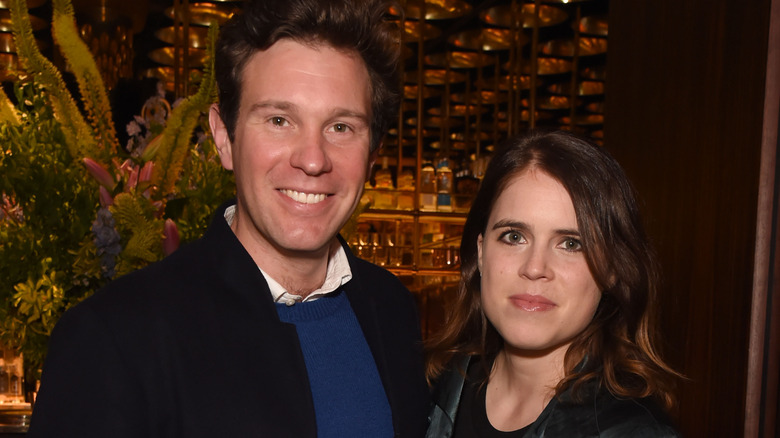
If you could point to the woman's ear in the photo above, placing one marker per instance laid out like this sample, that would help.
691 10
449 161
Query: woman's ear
221 137
479 253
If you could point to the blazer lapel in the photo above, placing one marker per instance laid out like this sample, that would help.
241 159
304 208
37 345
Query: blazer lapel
273 346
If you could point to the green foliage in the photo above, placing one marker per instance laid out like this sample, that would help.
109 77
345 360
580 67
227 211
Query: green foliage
38 303
62 235
40 300
48 211
7 111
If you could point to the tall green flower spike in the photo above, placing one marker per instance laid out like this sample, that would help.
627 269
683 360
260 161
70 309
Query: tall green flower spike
176 138
78 136
91 85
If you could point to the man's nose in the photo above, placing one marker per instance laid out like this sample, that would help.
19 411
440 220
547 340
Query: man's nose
310 154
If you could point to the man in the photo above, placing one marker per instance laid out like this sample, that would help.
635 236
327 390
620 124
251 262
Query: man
268 325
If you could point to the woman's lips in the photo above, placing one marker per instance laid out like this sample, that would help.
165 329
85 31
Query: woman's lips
532 303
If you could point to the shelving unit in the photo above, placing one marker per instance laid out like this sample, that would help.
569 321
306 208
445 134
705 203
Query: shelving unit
419 247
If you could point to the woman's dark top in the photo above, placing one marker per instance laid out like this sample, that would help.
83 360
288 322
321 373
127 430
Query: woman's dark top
476 423
599 414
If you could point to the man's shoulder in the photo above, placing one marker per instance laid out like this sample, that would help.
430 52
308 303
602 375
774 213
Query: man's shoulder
183 263
183 269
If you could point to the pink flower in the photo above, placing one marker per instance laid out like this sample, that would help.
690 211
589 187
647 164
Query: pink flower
132 180
100 173
106 200
170 237
146 172
127 166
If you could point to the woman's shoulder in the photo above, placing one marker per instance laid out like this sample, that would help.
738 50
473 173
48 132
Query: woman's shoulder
450 382
607 416
633 417
447 391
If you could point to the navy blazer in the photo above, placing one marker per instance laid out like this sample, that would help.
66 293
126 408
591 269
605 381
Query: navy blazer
192 346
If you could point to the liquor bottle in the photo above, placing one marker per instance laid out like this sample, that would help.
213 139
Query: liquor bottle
383 177
466 187
444 185
384 197
428 191
406 190
5 378
15 386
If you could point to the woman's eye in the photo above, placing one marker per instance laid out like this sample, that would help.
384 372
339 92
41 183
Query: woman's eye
511 237
572 244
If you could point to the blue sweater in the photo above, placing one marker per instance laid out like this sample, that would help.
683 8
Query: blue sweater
349 399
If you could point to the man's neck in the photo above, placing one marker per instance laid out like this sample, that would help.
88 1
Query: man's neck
301 276
299 273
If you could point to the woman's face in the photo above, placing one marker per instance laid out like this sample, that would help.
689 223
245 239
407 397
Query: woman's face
537 289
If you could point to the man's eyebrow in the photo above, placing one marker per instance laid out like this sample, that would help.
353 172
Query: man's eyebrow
353 114
274 104
289 106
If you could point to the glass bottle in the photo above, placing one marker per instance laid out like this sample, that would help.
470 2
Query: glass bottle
384 197
406 190
444 185
428 191
5 378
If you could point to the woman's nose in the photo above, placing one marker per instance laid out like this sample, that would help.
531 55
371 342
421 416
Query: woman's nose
535 264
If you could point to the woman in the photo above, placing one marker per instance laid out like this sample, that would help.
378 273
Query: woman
552 331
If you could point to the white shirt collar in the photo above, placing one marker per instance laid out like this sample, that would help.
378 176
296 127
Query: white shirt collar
338 273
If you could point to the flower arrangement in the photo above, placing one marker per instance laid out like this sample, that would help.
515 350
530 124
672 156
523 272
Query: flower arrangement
77 209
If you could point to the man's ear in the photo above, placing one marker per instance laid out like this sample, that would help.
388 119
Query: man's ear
221 138
372 156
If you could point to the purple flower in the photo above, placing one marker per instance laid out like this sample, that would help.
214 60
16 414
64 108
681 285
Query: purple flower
107 241
133 128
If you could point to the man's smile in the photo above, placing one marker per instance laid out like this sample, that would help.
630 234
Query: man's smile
304 198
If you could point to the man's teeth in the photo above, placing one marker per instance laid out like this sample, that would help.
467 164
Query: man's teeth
305 198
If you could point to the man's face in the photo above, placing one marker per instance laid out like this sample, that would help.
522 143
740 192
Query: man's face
301 148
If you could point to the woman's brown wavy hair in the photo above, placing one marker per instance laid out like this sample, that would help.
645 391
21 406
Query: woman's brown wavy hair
619 343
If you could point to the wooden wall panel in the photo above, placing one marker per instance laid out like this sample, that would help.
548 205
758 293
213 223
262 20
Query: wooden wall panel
761 408
684 117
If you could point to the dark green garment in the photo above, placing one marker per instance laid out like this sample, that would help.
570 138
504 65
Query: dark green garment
602 415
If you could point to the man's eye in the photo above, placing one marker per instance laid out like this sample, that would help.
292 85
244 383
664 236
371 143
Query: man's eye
278 121
340 127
